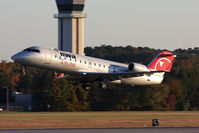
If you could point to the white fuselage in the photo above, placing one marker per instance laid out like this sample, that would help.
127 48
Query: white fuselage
74 64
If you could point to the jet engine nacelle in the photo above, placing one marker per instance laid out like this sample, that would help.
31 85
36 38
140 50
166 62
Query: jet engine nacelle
137 67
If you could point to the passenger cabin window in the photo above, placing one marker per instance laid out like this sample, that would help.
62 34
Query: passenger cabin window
85 62
31 50
94 64
80 61
104 66
99 65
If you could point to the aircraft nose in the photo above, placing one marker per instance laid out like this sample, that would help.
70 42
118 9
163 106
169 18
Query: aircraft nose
14 57
18 57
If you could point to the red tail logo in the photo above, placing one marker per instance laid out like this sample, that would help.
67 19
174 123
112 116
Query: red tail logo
163 62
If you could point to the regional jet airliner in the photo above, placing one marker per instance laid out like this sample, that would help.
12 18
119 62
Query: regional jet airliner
88 69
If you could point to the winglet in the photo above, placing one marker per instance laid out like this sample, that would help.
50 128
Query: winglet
61 75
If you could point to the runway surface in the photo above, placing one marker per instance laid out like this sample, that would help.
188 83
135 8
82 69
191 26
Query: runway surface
129 130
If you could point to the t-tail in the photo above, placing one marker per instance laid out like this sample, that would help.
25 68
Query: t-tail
163 62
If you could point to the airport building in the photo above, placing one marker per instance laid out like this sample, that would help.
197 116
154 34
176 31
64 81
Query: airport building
71 25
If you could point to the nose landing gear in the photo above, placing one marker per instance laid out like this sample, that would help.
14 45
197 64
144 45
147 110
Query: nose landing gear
24 70
86 86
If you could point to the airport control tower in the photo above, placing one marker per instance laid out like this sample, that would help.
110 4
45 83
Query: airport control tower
71 25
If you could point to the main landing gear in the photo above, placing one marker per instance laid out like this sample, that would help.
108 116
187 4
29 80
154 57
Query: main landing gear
105 85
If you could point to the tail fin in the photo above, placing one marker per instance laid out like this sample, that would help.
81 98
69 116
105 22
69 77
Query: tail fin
163 62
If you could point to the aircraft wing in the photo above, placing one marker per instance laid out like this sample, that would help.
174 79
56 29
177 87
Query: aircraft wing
114 76
94 76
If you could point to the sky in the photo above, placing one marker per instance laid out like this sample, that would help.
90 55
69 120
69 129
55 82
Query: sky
159 24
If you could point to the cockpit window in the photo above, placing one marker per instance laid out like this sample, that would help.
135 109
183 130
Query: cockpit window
31 50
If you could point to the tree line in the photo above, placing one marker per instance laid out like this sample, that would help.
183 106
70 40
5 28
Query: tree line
179 90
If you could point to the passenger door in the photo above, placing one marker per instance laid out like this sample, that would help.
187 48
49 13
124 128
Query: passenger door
48 56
